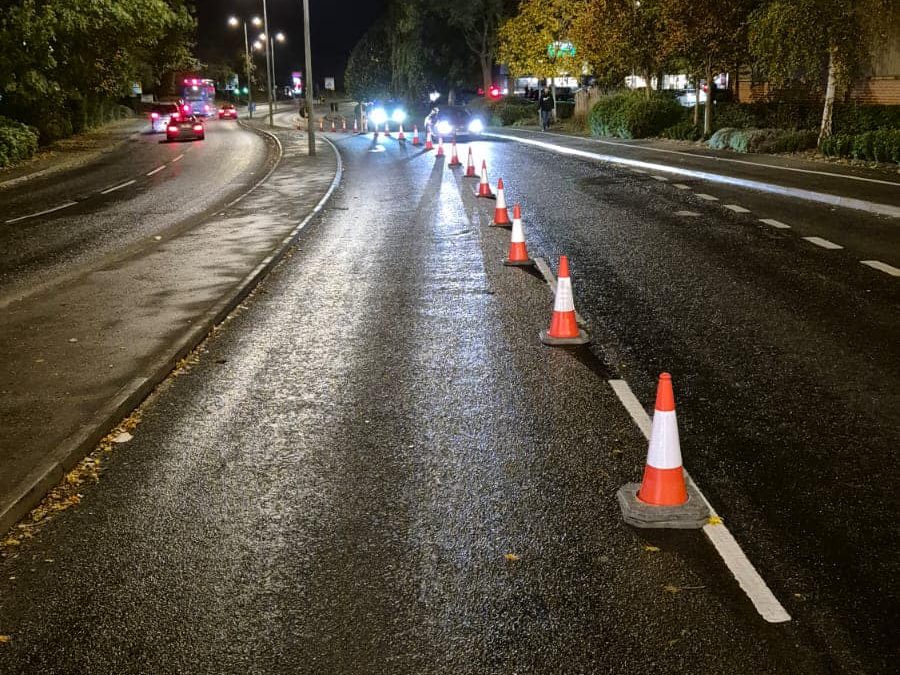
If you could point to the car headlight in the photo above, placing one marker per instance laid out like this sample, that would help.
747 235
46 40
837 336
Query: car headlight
378 116
476 126
444 128
399 116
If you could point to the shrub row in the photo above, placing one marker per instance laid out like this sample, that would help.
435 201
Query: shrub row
511 110
848 119
763 140
633 115
17 141
685 130
874 146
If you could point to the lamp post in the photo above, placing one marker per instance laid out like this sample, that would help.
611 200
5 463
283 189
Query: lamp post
310 127
278 37
234 21
268 60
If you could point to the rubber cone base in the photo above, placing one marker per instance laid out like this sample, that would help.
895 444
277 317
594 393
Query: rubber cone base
507 226
582 339
518 263
692 515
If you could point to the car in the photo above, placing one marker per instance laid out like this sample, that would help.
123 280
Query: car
228 111
453 120
381 113
159 115
185 128
688 97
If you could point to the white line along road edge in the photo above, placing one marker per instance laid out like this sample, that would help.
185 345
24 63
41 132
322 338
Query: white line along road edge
821 197
747 577
40 213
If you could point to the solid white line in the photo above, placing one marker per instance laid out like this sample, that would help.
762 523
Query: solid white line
177 159
157 170
824 243
707 197
737 161
681 186
882 267
747 577
736 208
799 193
775 223
40 213
687 214
117 187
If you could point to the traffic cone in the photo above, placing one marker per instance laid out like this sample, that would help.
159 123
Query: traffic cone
440 150
663 499
484 188
387 129
454 158
470 166
344 125
332 126
501 214
564 328
428 144
322 124
355 126
518 252
401 136
416 140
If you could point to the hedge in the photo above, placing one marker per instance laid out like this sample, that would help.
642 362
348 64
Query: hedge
847 119
763 140
633 115
17 141
685 130
873 146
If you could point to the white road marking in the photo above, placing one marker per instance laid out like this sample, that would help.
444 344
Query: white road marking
687 214
661 179
707 197
41 213
681 186
736 208
775 223
882 267
177 159
638 171
824 243
117 187
747 577
157 170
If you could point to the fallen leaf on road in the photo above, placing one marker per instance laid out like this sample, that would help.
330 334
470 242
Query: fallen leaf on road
73 339
714 520
511 557
124 437
652 549
11 542
4 639
668 588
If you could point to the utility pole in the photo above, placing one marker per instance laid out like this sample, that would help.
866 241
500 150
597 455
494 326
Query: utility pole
268 62
310 126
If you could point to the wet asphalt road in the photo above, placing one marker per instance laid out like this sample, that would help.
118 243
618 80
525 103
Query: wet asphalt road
336 484
196 178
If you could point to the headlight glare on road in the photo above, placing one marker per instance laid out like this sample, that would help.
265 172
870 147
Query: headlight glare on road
378 116
444 128
399 116
476 126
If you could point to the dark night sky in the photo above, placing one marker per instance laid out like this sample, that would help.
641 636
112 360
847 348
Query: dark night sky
336 27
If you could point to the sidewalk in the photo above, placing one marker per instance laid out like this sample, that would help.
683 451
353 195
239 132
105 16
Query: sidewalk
869 190
78 358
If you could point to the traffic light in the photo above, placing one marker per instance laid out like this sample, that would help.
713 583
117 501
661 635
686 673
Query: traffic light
245 90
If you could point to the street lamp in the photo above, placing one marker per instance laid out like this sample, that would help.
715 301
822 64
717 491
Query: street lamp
309 98
268 61
233 21
278 37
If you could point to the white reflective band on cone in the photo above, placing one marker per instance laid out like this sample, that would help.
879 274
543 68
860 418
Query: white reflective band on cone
518 235
664 451
484 175
501 200
564 301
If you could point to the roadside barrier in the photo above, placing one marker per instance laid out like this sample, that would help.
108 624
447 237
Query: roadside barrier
663 499
484 188
501 213
518 251
564 330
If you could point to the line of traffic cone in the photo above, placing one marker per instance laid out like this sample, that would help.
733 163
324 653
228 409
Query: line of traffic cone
564 330
501 213
470 166
484 188
664 499
518 251
454 158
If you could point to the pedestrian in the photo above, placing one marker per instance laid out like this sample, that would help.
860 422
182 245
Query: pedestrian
545 105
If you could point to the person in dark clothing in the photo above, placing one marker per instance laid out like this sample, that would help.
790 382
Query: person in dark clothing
545 105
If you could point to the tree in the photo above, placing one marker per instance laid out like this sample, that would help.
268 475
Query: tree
822 43
368 73
479 23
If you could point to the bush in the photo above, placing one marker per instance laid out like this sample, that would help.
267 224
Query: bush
763 140
839 145
734 115
721 139
512 110
858 119
17 141
565 109
873 146
683 131
633 115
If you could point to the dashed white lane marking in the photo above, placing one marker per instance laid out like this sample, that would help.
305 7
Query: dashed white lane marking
707 197
775 223
681 186
737 208
687 214
177 159
638 171
661 179
747 577
156 170
40 213
824 243
117 187
882 267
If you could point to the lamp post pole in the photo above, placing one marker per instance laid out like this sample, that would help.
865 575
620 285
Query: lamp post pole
268 61
247 63
310 126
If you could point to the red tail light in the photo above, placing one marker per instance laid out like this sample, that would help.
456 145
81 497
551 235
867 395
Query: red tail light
154 116
198 127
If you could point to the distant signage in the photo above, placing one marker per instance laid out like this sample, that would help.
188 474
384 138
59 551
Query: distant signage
555 49
232 83
329 83
136 89
297 81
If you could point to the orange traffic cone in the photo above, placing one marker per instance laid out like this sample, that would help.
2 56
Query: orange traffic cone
440 150
484 188
664 499
401 136
332 126
344 125
355 126
387 129
321 124
416 140
470 166
428 144
454 158
564 328
501 214
518 252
